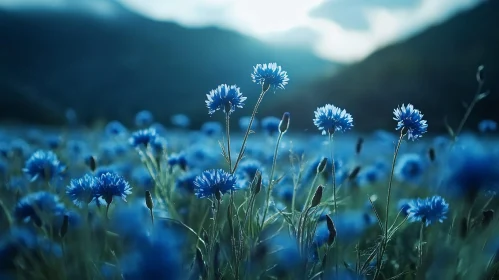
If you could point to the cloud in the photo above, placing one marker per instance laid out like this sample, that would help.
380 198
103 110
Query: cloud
265 19
382 21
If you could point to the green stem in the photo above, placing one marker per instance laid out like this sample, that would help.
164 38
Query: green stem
421 244
468 111
227 129
271 183
309 195
243 146
387 210
333 168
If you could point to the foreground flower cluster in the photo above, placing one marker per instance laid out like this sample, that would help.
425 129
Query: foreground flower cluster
220 204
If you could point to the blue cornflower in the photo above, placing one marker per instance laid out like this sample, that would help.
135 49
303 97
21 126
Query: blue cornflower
82 190
330 119
44 165
186 182
143 138
30 207
225 98
178 160
110 185
249 167
487 126
213 181
269 75
403 205
410 168
53 141
159 145
428 210
181 120
472 169
144 118
369 175
410 120
350 226
115 128
271 124
285 192
211 128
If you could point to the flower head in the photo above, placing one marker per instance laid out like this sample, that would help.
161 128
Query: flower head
410 120
181 120
211 128
110 185
37 206
82 190
213 181
270 75
428 210
410 167
487 126
143 138
225 98
270 124
43 164
330 119
144 118
115 128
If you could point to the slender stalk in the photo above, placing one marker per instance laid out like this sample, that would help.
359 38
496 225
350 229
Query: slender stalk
331 139
271 183
387 210
243 145
420 247
468 110
227 129
333 171
214 236
309 195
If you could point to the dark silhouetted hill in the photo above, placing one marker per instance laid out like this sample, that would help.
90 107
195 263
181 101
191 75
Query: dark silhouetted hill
434 70
113 67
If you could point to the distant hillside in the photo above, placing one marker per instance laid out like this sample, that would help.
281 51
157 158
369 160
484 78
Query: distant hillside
434 70
112 68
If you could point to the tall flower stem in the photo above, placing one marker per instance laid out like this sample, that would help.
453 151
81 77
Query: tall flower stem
265 88
227 129
333 171
387 209
214 236
478 96
271 183
420 247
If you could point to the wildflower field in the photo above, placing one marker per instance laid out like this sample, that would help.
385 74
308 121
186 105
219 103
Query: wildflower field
258 202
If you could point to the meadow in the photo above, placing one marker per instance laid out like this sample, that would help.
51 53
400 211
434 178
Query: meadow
246 197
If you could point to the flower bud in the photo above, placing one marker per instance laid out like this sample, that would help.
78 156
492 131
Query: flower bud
149 202
322 165
284 124
317 196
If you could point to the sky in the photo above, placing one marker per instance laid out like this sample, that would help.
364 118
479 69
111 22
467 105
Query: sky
339 30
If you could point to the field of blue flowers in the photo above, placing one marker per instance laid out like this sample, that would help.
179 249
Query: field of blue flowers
259 202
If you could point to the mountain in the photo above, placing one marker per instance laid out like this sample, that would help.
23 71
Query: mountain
111 67
434 70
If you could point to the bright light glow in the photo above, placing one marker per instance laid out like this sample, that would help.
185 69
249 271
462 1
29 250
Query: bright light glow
264 19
